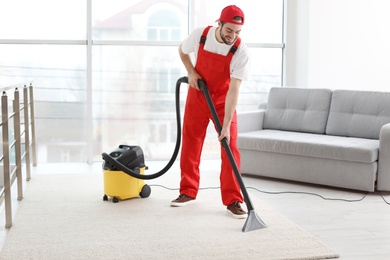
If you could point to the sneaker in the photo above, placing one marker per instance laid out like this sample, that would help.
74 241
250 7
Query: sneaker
182 201
236 210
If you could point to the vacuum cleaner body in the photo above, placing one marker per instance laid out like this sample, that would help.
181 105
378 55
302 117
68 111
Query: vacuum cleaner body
120 185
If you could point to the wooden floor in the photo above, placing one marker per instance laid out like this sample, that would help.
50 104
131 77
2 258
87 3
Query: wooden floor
355 224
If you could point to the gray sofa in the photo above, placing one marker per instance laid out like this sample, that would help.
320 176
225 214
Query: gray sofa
338 138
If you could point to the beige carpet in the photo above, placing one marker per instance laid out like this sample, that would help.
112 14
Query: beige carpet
64 217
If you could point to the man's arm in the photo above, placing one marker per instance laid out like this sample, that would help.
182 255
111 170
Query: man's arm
193 75
230 107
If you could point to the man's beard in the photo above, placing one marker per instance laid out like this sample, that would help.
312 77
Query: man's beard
224 38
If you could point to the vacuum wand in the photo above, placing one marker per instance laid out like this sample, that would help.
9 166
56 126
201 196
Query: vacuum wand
224 141
253 221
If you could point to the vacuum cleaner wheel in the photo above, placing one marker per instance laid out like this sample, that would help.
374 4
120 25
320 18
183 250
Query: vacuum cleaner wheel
145 191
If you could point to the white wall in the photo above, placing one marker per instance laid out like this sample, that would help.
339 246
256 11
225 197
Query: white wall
338 44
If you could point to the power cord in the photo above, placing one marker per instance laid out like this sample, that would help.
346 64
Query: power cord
308 193
383 198
167 188
288 192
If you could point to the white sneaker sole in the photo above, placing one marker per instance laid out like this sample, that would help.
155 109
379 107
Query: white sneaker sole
181 204
237 216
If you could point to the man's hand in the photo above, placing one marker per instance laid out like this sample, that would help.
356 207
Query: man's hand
193 75
193 79
230 108
225 133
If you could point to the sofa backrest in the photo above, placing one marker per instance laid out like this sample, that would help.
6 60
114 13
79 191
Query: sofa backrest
358 113
297 109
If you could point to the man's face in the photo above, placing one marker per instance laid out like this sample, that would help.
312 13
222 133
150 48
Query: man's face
229 32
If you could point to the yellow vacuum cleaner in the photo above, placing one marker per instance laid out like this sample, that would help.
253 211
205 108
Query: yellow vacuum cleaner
118 184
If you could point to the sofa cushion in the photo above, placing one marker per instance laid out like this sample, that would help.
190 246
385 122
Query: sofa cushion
310 145
297 109
358 113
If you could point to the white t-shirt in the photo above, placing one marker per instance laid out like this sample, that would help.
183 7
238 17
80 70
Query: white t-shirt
239 66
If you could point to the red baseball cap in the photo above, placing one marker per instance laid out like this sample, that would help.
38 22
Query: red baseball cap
229 12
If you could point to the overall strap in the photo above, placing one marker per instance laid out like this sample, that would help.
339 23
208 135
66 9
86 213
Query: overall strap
204 36
233 49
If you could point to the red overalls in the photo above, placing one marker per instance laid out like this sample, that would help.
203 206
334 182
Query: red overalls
215 71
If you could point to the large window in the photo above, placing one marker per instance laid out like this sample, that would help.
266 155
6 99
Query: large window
43 19
105 71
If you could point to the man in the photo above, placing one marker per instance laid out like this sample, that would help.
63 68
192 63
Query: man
222 62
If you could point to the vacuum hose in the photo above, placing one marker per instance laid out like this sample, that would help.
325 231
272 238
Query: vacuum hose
136 172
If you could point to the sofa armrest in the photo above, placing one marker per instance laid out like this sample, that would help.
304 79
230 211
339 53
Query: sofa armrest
384 159
250 121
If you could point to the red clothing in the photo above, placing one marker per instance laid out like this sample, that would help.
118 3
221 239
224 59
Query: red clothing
215 71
